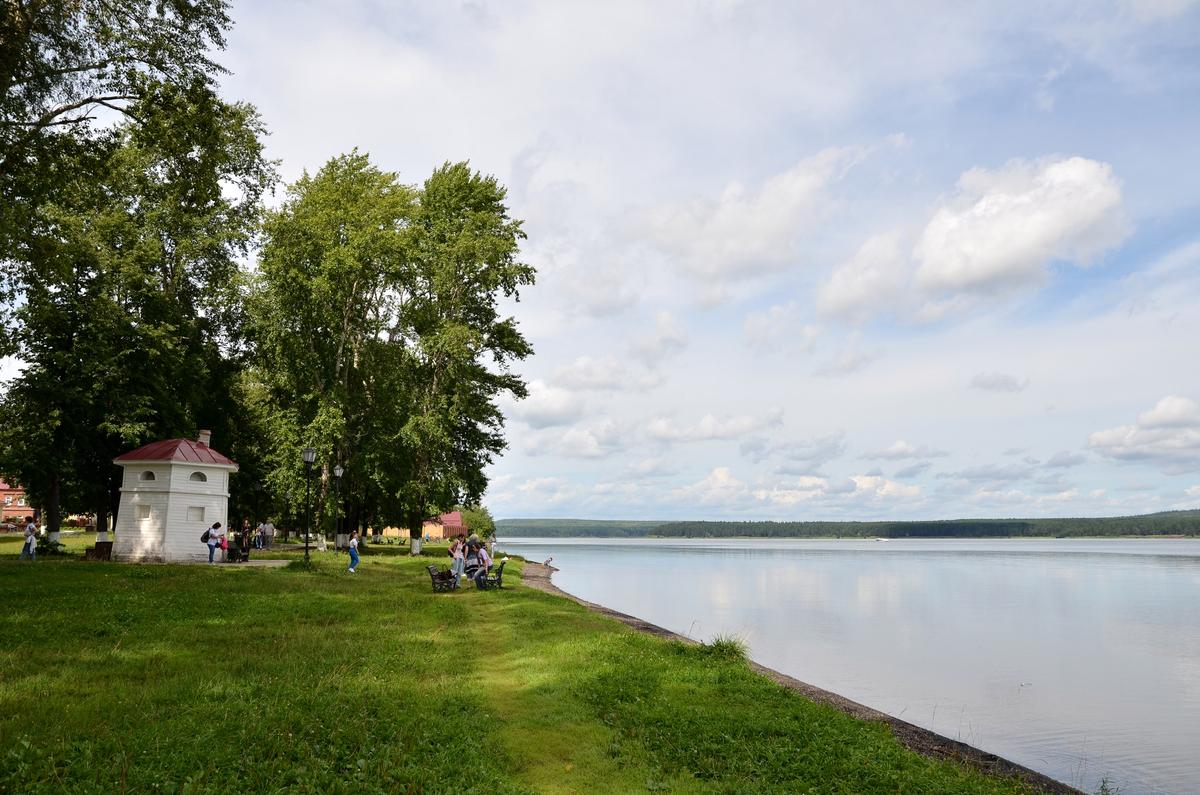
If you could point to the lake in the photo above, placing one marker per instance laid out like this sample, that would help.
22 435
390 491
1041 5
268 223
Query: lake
1077 658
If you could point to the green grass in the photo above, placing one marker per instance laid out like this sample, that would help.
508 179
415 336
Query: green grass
225 679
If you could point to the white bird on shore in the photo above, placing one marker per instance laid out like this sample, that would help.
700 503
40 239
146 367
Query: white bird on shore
547 563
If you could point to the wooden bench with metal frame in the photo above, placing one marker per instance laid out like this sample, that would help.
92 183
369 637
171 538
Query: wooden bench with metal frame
442 580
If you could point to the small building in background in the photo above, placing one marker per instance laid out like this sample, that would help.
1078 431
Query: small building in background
13 505
447 525
171 492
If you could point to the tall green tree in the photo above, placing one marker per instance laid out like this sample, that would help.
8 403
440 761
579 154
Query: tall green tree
130 295
379 334
325 303
465 249
68 70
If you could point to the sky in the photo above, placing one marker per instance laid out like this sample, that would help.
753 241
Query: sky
802 261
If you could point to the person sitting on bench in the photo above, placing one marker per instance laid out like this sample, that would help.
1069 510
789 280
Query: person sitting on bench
485 563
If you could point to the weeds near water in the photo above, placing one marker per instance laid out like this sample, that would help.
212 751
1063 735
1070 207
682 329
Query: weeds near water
727 647
1107 787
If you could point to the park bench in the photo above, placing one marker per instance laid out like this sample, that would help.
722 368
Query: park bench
442 580
495 580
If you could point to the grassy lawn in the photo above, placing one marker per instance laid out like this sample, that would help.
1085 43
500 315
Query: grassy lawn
224 679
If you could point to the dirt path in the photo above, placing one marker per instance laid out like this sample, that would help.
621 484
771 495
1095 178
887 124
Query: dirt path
923 741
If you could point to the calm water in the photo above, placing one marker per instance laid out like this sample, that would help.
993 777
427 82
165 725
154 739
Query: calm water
1076 658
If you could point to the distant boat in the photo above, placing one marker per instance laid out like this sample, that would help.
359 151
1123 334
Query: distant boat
881 539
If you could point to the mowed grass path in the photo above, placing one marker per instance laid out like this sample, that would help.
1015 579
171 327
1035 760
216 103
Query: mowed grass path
223 679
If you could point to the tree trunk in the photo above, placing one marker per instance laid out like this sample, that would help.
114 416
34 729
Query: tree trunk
53 516
102 525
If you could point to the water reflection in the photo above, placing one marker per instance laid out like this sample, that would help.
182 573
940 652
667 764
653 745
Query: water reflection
1077 658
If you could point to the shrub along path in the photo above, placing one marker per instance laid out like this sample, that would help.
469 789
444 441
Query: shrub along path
195 678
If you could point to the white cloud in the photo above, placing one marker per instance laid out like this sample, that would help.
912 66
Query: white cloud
592 284
719 486
870 280
667 338
998 382
801 457
749 231
993 476
852 357
651 467
1005 226
546 406
913 470
1193 491
793 492
779 326
1064 459
900 450
1167 436
711 427
548 490
605 373
1157 10
878 487
593 440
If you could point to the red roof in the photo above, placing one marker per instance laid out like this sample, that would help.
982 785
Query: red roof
176 450
452 519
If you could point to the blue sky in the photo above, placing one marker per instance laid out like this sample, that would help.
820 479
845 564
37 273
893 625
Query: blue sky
803 260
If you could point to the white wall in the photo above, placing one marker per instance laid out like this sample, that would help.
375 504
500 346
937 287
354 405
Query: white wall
135 538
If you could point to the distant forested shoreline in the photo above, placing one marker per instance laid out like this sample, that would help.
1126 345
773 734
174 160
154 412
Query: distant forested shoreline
1167 523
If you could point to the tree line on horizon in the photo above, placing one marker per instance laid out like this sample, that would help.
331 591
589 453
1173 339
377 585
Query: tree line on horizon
1168 523
149 290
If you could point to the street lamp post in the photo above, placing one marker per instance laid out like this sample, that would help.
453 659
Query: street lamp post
337 506
310 455
287 516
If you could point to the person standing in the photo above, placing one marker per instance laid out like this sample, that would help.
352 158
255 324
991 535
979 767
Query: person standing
353 551
214 540
458 559
29 548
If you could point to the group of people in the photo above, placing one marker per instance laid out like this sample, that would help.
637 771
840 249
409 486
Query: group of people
261 537
470 558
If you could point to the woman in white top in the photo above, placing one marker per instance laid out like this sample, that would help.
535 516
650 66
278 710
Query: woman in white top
353 551
29 549
458 560
214 539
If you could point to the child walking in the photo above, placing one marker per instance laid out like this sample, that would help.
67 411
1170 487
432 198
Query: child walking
353 551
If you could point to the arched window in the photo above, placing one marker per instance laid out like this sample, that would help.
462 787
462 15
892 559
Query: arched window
199 477
147 475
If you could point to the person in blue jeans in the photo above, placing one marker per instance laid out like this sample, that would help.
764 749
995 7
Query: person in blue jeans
353 551
29 548
214 540
485 563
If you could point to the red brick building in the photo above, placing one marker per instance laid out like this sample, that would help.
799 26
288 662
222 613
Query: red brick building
447 525
13 506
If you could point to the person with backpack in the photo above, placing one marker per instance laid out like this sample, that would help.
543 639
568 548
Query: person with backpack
212 537
353 551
